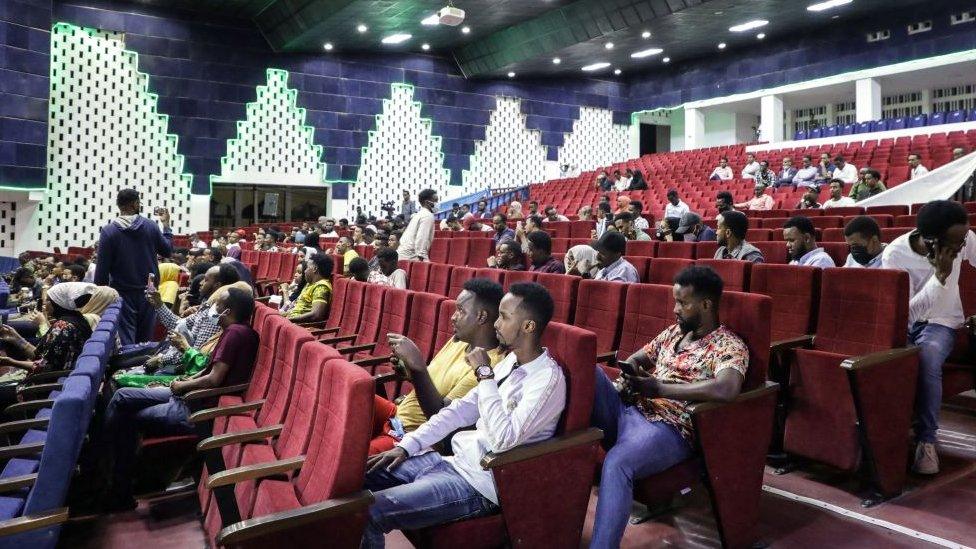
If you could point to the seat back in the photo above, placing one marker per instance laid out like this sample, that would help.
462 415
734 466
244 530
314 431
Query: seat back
599 309
514 277
439 249
459 276
678 250
563 290
457 252
491 274
749 316
264 264
352 310
339 287
664 269
479 250
574 349
773 252
643 248
649 310
373 307
419 273
439 278
264 363
445 330
795 292
396 307
706 250
422 321
291 338
832 235
862 310
581 229
734 273
294 437
837 251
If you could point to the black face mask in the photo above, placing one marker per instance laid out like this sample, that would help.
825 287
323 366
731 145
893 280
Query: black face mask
861 255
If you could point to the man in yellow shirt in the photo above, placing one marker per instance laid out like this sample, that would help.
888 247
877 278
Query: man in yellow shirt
313 302
449 376
344 247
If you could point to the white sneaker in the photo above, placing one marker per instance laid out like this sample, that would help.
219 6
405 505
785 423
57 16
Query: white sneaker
926 459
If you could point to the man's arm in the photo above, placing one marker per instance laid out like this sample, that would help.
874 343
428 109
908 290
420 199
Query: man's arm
724 387
106 253
214 378
320 311
164 238
541 403
459 414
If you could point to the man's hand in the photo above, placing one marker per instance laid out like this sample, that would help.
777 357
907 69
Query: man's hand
163 214
191 310
154 299
492 261
9 335
177 340
177 387
407 351
942 262
647 386
477 357
389 460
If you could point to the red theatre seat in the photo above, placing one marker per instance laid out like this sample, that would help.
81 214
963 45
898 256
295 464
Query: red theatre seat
642 248
369 325
457 253
837 251
664 269
600 309
479 250
459 276
795 294
439 249
677 250
514 277
773 252
563 289
735 274
439 278
445 330
705 250
490 273
419 273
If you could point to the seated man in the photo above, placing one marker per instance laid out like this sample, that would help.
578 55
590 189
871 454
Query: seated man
692 229
540 254
388 271
722 172
724 202
837 198
345 248
517 402
448 377
869 186
760 200
624 223
553 215
807 175
647 427
863 236
610 250
508 257
808 202
801 244
751 168
785 175
731 235
313 303
161 411
636 207
358 269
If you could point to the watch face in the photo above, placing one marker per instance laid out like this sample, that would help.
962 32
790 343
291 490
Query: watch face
484 371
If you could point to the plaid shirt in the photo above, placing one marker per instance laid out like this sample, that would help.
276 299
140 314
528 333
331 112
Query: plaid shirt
199 325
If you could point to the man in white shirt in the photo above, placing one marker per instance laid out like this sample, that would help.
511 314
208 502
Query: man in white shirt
517 402
863 237
806 176
837 198
723 172
675 207
636 207
751 167
918 170
553 215
801 244
387 271
845 171
932 255
416 238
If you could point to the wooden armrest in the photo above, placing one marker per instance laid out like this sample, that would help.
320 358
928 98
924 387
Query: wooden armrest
880 357
536 449
610 358
311 323
387 377
216 391
16 483
239 437
40 389
18 450
340 339
791 343
29 406
232 410
324 331
276 522
374 361
23 425
356 348
264 299
36 521
45 376
700 407
251 472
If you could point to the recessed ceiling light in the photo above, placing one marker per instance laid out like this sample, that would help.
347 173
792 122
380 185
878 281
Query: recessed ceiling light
398 38
556 60
719 12
721 46
596 66
646 53
362 28
617 71
431 20
822 6
645 35
425 46
761 35
835 17
465 30
511 74
327 46
749 25
666 60
608 45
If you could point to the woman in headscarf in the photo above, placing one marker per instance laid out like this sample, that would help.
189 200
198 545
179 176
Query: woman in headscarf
101 298
580 260
515 210
169 282
623 204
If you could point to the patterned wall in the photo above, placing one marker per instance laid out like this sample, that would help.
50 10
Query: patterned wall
8 228
105 135
273 144
596 141
511 155
24 59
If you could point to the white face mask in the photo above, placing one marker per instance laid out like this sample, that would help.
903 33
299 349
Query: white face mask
213 314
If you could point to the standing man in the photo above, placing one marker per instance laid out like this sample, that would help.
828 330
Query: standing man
127 250
416 239
408 208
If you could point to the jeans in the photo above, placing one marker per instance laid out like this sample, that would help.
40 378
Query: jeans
636 448
423 491
935 344
137 317
131 412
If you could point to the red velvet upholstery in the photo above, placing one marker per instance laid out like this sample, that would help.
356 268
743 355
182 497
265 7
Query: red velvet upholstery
832 235
439 278
480 249
457 252
514 277
445 329
396 307
649 309
795 292
773 251
581 229
490 273
890 233
599 309
352 309
419 272
459 276
563 290
439 249
641 263
664 269
862 310
339 287
846 210
759 235
560 245
827 221
369 325
422 321
837 251
734 273
890 210
706 250
678 250
643 248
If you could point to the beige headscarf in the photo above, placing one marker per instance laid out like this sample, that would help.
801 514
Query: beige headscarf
585 257
101 298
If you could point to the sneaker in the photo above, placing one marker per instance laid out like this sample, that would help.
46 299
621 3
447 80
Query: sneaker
926 459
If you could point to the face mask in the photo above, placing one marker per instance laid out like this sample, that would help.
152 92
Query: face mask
861 255
213 314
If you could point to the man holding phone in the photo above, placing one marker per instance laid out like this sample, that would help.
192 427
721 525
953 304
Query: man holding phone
932 255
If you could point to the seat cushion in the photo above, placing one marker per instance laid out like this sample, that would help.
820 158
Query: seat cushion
477 533
11 507
244 492
18 466
274 496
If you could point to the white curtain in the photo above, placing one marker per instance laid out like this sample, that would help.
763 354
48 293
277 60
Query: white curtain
939 184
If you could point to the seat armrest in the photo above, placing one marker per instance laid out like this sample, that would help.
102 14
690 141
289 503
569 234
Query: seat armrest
374 361
36 521
609 358
217 391
309 324
252 472
239 437
41 377
268 525
880 357
263 299
324 331
356 348
10 484
701 407
387 377
41 389
29 406
536 449
23 425
783 345
235 409
340 339
19 450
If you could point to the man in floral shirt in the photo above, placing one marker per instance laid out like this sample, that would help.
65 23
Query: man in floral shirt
695 360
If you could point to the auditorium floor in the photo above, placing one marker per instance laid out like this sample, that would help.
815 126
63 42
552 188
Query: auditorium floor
812 507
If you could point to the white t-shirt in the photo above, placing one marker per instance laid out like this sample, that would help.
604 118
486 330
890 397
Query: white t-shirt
841 202
672 210
847 174
749 172
919 171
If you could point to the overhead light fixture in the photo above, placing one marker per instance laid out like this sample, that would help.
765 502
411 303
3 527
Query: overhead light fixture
556 60
645 35
749 25
823 6
465 29
721 45
666 60
511 74
617 71
362 28
431 20
327 46
608 45
398 38
425 46
761 35
646 53
596 66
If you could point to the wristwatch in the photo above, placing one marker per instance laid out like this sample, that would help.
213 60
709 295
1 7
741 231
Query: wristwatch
484 372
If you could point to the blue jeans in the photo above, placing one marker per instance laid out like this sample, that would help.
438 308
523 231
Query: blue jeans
636 448
423 491
137 319
935 344
135 412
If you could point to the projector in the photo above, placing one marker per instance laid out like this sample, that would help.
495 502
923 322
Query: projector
450 16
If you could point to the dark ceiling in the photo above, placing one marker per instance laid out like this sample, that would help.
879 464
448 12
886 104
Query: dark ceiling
524 36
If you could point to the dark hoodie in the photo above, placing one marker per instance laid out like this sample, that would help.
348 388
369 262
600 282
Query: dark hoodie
127 250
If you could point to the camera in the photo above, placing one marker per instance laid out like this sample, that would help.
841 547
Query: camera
387 207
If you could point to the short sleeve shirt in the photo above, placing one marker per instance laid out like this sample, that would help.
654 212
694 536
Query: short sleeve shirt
700 361
237 347
317 292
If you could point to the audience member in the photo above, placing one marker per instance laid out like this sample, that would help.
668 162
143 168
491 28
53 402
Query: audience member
751 168
604 219
313 303
610 250
552 215
623 204
722 172
917 169
692 229
603 182
932 255
808 202
387 271
515 211
646 416
724 202
532 224
638 183
358 269
807 175
825 170
863 237
870 186
580 260
481 210
759 202
407 208
731 236
508 257
169 282
585 213
348 253
624 222
786 174
540 254
837 198
844 171
623 182
533 208
636 208
502 231
765 176
416 239
675 207
801 244
75 273
414 488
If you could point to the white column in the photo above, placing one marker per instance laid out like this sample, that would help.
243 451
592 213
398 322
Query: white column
771 118
694 129
867 93
200 212
633 146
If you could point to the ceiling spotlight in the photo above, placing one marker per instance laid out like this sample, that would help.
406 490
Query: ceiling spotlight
465 29
761 35
425 46
645 35
749 25
556 60
431 20
511 74
822 6
362 28
608 45
666 60
721 46
617 71
398 38
327 46
646 53
596 66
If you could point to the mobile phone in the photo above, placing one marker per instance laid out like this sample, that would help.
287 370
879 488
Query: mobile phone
628 368
932 245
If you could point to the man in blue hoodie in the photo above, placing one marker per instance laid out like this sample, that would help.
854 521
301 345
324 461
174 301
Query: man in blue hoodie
127 250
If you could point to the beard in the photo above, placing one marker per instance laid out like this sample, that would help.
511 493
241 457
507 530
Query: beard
689 324
800 252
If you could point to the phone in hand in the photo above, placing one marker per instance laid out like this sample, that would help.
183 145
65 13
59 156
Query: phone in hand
932 245
628 368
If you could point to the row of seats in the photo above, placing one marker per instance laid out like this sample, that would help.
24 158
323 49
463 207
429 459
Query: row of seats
885 124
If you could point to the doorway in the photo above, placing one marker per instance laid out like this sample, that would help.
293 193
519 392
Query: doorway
239 205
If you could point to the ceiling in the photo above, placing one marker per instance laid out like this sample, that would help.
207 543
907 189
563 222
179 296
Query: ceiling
523 36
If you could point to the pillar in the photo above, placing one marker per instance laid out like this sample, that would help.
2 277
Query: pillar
694 129
771 121
867 93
